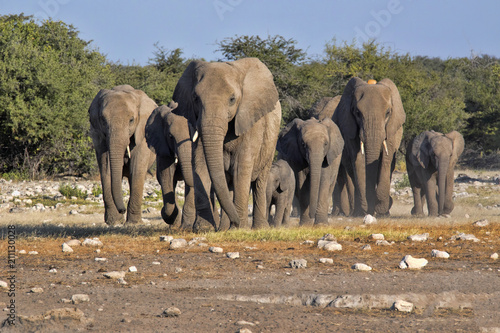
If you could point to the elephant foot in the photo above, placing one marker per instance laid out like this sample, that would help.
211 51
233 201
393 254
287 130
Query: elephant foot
114 219
134 220
444 216
306 223
202 225
260 224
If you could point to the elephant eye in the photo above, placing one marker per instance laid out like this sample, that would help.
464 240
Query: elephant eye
387 113
131 120
232 100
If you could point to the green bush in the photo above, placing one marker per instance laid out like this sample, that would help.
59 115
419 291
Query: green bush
71 191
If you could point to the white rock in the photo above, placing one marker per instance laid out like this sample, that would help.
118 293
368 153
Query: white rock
326 260
92 242
4 284
100 259
215 249
402 306
494 256
233 255
33 252
16 193
440 254
298 263
366 247
412 263
361 267
36 290
80 298
377 236
156 263
369 219
244 322
53 270
73 212
481 223
307 242
73 242
465 237
382 243
22 252
418 238
171 312
329 237
166 238
332 246
132 269
178 243
66 248
115 275
122 281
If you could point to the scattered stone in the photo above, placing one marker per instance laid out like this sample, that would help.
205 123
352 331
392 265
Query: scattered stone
215 249
412 263
243 323
33 252
244 330
166 238
73 212
115 275
418 238
329 237
132 269
233 255
259 267
73 242
65 300
22 252
4 284
178 243
54 320
298 263
382 243
481 223
122 281
369 219
326 260
377 236
464 237
36 290
329 245
494 256
97 251
92 242
361 267
66 248
52 270
80 298
440 254
100 259
171 312
178 270
308 242
156 263
366 247
402 306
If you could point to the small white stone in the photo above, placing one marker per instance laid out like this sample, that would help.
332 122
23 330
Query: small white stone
494 256
326 260
369 219
361 267
4 284
53 270
178 243
440 254
36 290
332 246
412 263
122 281
33 252
307 242
329 237
377 236
298 263
172 312
402 306
166 238
80 298
156 263
73 212
22 252
366 247
481 223
233 255
115 275
66 248
418 238
382 243
215 249
92 242
132 269
73 242
100 259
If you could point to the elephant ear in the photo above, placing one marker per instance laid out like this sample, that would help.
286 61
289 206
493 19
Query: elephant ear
336 141
343 116
146 106
398 115
155 129
421 150
458 145
183 92
259 94
288 144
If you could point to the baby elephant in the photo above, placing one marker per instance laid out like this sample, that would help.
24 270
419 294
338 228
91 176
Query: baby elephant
279 192
430 160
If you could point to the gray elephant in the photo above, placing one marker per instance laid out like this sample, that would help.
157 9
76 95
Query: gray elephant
313 148
430 160
324 108
370 117
171 137
117 123
280 191
235 107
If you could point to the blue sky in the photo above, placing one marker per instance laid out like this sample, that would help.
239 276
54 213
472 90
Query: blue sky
126 30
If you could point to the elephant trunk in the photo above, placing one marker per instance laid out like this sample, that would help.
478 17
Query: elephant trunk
373 149
213 134
184 152
315 163
442 173
116 152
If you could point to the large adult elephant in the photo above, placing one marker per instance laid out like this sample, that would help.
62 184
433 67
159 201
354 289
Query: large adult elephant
430 161
171 137
235 107
117 121
313 149
370 117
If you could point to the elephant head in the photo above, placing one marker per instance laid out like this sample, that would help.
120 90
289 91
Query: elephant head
280 172
314 145
225 100
434 151
118 117
370 117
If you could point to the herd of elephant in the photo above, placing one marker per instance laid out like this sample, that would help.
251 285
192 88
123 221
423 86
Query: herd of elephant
220 135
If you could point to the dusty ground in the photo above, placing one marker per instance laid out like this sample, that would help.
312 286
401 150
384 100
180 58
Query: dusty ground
214 293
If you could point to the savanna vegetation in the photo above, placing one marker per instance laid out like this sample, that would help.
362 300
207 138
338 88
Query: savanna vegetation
49 76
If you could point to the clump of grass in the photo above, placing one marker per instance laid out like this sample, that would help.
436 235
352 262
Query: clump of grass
71 191
96 190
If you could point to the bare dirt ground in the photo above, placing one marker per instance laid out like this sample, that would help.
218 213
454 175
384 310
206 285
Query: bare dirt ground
259 291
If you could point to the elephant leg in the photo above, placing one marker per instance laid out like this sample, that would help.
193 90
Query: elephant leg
225 223
280 208
448 201
134 208
111 214
188 210
205 213
241 183
260 201
431 196
303 187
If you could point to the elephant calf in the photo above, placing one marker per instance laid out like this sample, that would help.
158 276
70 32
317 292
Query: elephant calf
280 191
430 160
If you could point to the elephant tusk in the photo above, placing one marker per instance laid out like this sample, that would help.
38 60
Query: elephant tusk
128 151
195 136
362 148
176 160
385 147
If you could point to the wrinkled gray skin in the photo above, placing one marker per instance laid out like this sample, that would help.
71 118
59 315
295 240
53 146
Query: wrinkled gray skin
430 161
235 107
117 120
171 136
313 149
280 192
324 108
368 114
